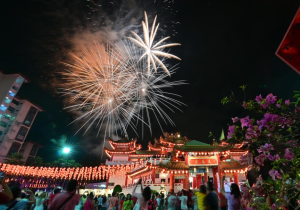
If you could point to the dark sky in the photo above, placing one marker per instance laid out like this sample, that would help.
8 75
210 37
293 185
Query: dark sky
225 44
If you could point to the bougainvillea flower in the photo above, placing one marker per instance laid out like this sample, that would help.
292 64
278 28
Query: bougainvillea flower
244 105
259 99
270 99
287 102
274 174
231 130
246 122
235 119
288 155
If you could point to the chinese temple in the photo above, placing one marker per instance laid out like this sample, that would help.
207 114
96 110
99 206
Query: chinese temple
175 162
171 162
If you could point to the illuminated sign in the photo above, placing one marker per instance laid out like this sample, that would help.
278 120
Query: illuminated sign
203 161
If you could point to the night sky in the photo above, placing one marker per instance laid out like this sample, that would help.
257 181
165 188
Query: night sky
225 44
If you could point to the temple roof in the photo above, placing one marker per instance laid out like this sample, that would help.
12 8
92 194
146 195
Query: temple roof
174 165
140 170
147 152
127 151
123 140
231 165
174 138
198 146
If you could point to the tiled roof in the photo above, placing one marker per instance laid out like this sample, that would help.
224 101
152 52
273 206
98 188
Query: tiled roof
118 150
147 152
231 165
124 140
203 148
174 165
140 170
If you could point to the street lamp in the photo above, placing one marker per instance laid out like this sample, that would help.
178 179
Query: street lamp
66 150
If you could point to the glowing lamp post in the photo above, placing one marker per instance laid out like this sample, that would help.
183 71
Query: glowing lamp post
66 150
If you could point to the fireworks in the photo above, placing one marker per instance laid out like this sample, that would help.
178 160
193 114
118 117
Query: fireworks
153 50
114 88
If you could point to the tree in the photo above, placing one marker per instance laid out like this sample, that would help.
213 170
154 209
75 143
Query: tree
37 161
65 163
271 132
15 159
117 188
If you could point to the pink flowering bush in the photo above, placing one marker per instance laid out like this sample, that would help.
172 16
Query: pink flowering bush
271 131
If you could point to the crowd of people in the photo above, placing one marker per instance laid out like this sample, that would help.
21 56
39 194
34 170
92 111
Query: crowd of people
204 198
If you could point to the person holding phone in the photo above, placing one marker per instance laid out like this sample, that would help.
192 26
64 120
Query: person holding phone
6 194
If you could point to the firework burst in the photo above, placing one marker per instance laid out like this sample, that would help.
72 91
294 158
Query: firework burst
113 87
152 50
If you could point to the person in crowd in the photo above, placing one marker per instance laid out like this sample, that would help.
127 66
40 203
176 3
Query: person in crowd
234 197
89 203
211 201
108 198
190 201
172 201
128 203
100 200
195 202
161 202
83 198
104 203
6 195
122 201
52 195
113 201
156 200
16 204
39 201
178 203
143 197
200 196
183 200
67 200
79 206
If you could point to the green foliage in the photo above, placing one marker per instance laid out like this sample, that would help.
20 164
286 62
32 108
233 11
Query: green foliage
117 189
15 159
275 122
37 161
64 163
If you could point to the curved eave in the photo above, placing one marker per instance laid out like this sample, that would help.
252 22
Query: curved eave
139 171
233 166
205 149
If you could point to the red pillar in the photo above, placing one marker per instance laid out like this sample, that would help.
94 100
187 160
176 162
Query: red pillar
199 181
215 178
126 180
235 178
194 183
172 180
205 177
153 176
187 181
186 158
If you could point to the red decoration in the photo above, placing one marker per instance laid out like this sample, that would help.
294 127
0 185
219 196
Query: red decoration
289 48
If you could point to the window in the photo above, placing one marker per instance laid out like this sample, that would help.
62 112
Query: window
111 184
15 102
156 175
163 180
22 133
3 124
19 80
7 116
11 109
7 100
34 150
11 94
14 148
30 116
15 88
177 181
2 107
